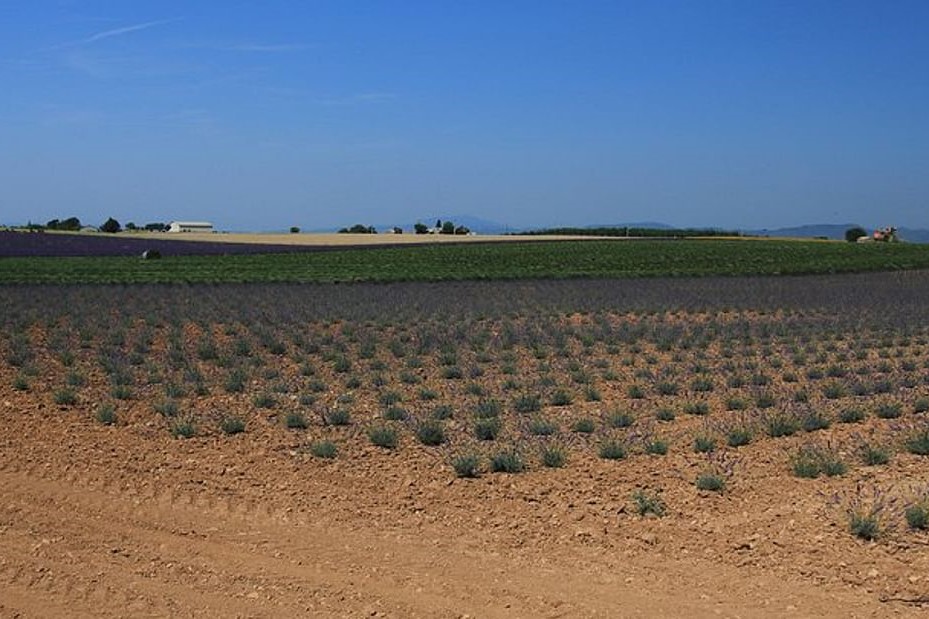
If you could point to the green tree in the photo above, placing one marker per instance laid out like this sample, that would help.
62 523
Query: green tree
111 226
448 227
358 229
853 234
420 228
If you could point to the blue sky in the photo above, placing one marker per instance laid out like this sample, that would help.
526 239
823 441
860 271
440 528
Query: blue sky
262 115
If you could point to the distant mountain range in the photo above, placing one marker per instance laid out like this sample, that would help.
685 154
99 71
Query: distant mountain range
830 231
475 224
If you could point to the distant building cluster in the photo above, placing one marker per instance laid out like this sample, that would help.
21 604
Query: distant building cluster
881 235
440 227
190 226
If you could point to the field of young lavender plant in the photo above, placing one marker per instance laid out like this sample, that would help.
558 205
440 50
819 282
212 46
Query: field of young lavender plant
763 429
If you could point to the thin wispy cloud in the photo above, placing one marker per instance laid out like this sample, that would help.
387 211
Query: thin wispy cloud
109 34
116 32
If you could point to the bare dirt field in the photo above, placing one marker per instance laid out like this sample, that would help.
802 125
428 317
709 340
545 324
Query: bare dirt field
99 521
131 519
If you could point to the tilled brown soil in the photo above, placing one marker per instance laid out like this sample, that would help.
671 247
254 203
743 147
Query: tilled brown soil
127 520
115 521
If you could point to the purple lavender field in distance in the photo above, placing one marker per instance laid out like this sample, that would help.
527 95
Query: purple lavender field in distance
29 244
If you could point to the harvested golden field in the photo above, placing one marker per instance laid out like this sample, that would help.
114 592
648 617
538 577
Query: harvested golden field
722 447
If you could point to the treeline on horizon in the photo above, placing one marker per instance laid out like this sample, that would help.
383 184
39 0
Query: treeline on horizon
73 224
677 233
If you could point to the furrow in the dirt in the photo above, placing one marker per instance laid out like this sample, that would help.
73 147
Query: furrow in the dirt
219 554
185 559
23 603
268 557
56 566
105 581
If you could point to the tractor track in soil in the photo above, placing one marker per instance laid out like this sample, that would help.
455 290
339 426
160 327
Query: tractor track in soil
78 542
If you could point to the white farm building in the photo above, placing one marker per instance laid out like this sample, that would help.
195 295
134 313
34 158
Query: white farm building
190 226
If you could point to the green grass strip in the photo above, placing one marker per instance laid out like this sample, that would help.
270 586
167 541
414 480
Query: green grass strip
512 260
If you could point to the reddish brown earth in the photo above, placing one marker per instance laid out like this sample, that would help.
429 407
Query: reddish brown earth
105 521
126 520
